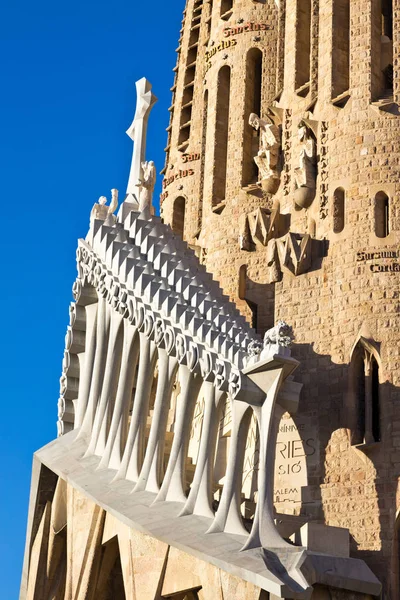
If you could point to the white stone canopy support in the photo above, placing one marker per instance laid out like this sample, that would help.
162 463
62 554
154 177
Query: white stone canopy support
145 305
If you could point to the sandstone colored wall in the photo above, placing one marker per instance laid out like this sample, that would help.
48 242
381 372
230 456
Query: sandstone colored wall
340 297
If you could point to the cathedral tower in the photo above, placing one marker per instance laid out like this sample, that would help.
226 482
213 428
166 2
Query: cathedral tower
196 460
291 199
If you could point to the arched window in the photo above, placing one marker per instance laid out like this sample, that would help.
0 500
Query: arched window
338 210
365 392
254 62
303 46
226 9
381 207
221 136
178 216
341 47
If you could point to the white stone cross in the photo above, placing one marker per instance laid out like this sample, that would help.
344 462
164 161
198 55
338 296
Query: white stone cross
138 132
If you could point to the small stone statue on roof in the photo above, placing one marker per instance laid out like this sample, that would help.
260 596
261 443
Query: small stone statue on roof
146 186
101 211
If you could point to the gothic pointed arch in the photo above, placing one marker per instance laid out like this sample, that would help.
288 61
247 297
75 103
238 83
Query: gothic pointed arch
364 398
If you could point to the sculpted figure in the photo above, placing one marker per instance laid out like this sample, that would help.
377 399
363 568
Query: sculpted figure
281 335
268 157
245 241
278 340
101 211
147 185
306 173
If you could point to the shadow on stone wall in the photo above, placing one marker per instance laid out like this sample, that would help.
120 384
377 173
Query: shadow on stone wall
351 486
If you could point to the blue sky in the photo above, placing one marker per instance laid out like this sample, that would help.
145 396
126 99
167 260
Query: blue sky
67 96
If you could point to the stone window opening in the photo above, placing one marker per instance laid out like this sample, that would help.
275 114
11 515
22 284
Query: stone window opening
220 161
178 216
226 9
339 208
383 51
303 47
254 66
382 215
364 370
340 50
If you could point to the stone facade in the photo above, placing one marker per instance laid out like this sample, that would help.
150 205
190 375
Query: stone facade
326 258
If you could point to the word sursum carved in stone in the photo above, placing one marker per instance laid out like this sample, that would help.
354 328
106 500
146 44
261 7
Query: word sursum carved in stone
392 267
376 255
238 29
101 211
180 175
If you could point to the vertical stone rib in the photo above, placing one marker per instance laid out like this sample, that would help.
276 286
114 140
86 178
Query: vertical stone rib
130 355
132 457
263 532
228 517
87 364
111 373
199 501
96 382
173 485
149 478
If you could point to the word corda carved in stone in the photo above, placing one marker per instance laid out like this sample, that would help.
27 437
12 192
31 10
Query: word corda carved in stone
101 211
269 155
306 173
147 184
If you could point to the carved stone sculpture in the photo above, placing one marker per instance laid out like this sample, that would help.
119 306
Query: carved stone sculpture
138 133
147 184
273 261
306 173
253 353
101 211
269 154
245 240
278 340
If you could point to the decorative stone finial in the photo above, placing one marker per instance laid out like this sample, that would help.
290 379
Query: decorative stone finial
101 211
138 133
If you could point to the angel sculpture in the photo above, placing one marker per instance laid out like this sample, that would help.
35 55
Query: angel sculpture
101 211
269 154
147 185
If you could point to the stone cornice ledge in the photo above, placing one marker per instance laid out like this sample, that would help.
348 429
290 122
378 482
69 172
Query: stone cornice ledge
286 572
